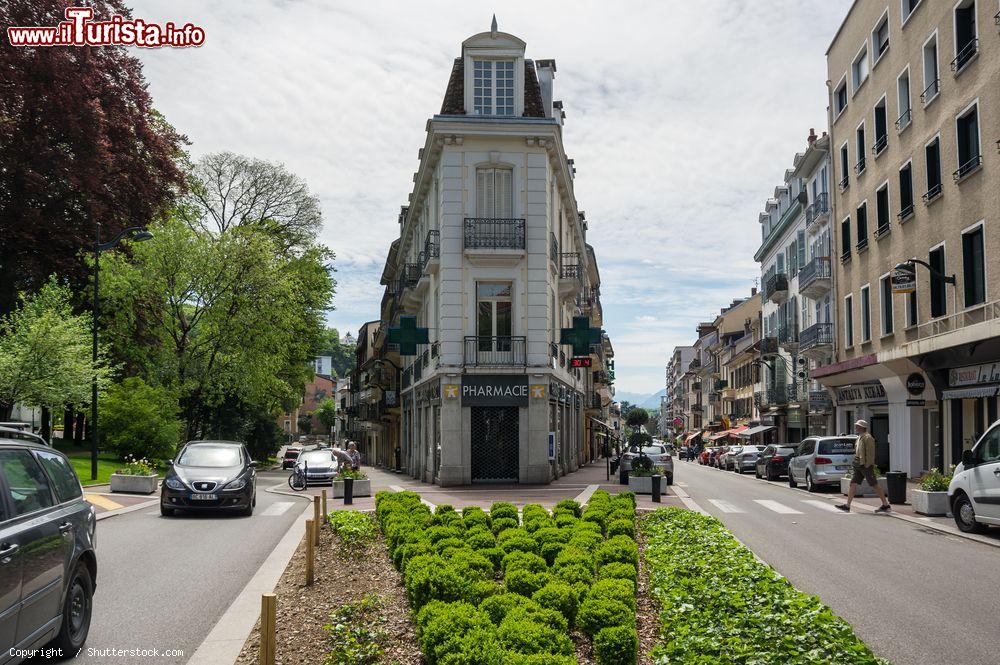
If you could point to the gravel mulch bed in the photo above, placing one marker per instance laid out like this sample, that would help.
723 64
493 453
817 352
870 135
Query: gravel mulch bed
342 576
647 611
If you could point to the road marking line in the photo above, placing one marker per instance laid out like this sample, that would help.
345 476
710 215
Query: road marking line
278 508
823 505
725 506
101 501
584 496
688 501
777 507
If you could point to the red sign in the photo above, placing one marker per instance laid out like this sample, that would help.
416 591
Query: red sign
580 361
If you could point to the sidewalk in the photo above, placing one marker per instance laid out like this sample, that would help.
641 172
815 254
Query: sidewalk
107 503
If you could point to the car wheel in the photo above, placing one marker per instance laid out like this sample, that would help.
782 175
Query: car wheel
166 512
810 485
791 480
769 474
965 515
77 609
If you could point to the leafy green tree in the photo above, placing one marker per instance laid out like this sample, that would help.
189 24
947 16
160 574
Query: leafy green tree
326 414
305 423
46 353
140 420
341 353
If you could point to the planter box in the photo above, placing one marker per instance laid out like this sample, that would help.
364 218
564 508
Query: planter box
361 488
134 484
930 503
644 484
864 489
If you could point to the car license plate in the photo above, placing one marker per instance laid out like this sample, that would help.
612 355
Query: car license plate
842 467
204 497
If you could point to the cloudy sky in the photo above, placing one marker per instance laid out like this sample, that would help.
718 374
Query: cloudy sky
681 116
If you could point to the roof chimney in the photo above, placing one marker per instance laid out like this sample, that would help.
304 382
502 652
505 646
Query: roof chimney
546 70
812 136
753 290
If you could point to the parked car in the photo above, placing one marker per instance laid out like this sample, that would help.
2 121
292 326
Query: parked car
48 563
746 459
772 463
320 466
210 475
821 461
659 454
726 462
21 434
974 492
716 457
290 456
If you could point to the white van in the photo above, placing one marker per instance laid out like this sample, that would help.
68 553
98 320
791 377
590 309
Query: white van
974 493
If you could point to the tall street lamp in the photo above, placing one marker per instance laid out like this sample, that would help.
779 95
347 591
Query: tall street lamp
135 234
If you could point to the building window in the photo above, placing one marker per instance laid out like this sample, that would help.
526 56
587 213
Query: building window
859 68
845 167
911 309
932 156
881 128
859 144
932 80
845 239
494 193
840 97
882 210
493 87
862 217
885 303
849 320
906 191
880 38
908 6
494 322
966 43
973 267
903 100
939 301
866 314
967 126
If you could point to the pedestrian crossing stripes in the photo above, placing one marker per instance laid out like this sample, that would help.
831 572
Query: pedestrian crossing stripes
777 507
823 505
725 506
789 508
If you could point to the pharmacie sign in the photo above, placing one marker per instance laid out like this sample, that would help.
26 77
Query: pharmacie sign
500 390
860 393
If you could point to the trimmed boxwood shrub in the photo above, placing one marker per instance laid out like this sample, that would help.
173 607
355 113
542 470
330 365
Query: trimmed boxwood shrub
595 614
531 637
619 571
576 574
476 518
429 577
480 540
502 523
525 582
572 556
620 549
567 505
450 543
517 541
621 590
616 645
471 561
441 626
564 520
551 550
502 509
494 554
497 607
621 527
519 560
560 597
551 535
536 523
436 533
532 511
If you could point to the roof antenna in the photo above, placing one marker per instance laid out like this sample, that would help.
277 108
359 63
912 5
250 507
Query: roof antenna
493 27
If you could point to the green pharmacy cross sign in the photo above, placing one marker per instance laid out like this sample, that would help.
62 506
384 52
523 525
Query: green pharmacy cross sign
408 335
581 336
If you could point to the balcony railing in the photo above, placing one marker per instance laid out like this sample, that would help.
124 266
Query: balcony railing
432 249
903 121
569 266
788 333
495 351
818 334
859 168
818 268
769 346
880 144
965 55
932 193
930 92
818 208
494 233
968 167
601 378
845 182
594 401
905 213
776 286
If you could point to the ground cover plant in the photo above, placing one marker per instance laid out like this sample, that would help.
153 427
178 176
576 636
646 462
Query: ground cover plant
720 604
497 587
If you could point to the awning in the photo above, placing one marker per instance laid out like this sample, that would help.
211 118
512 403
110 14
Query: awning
717 435
600 422
747 433
729 432
968 393
690 436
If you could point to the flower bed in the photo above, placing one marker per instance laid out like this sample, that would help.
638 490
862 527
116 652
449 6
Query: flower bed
722 605
490 588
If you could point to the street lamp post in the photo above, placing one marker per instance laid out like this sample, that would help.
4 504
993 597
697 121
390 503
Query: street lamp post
136 234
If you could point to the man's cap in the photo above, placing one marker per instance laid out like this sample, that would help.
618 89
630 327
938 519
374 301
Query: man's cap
861 423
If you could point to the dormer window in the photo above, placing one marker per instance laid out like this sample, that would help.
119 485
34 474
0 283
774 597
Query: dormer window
493 87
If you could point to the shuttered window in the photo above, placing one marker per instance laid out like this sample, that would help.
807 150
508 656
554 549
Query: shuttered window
494 193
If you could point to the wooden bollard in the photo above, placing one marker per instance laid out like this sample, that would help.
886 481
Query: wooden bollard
310 551
268 629
316 520
324 506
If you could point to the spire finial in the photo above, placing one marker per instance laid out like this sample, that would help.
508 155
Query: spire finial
493 26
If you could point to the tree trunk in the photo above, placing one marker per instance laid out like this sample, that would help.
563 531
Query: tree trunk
46 429
68 416
78 430
5 410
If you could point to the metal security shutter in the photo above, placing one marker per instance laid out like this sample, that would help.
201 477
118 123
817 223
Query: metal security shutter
495 443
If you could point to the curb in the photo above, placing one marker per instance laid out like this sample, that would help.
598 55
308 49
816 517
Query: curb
127 509
225 641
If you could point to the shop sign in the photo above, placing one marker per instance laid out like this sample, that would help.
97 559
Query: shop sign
538 391
860 393
916 384
497 390
904 278
450 390
552 445
819 400
973 374
915 402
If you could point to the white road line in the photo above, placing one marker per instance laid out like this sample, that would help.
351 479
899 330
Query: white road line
584 496
725 506
688 501
777 507
277 508
823 505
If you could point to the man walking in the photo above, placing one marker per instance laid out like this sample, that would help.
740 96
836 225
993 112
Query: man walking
864 468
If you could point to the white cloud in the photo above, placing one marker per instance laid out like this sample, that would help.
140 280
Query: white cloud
681 118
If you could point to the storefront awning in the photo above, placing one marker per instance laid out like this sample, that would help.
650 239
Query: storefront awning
969 393
747 433
690 436
727 433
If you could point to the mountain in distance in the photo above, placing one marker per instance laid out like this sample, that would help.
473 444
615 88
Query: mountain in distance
641 400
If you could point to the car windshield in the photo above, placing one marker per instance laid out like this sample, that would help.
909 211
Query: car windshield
292 453
836 447
652 450
317 457
209 455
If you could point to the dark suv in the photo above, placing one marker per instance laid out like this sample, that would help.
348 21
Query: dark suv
48 567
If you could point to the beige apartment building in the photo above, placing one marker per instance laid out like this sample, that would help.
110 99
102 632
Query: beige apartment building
915 124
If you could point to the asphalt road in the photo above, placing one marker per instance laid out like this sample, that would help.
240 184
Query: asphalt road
163 582
913 594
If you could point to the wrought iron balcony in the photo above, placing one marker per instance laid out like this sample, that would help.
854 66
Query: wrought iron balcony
817 336
776 288
859 168
788 334
769 346
602 378
696 386
569 266
432 249
930 92
881 142
818 208
494 233
932 193
965 56
967 168
408 276
814 278
904 120
845 182
905 213
495 351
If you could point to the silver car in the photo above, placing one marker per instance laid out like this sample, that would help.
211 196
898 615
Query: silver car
727 459
821 460
660 455
319 465
746 459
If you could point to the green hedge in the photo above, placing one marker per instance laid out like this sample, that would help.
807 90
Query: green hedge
722 605
493 587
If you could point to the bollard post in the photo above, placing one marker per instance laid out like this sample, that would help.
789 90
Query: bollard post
316 520
324 506
268 636
348 491
310 551
656 487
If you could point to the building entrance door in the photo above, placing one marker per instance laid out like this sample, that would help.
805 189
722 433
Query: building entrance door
880 430
495 443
